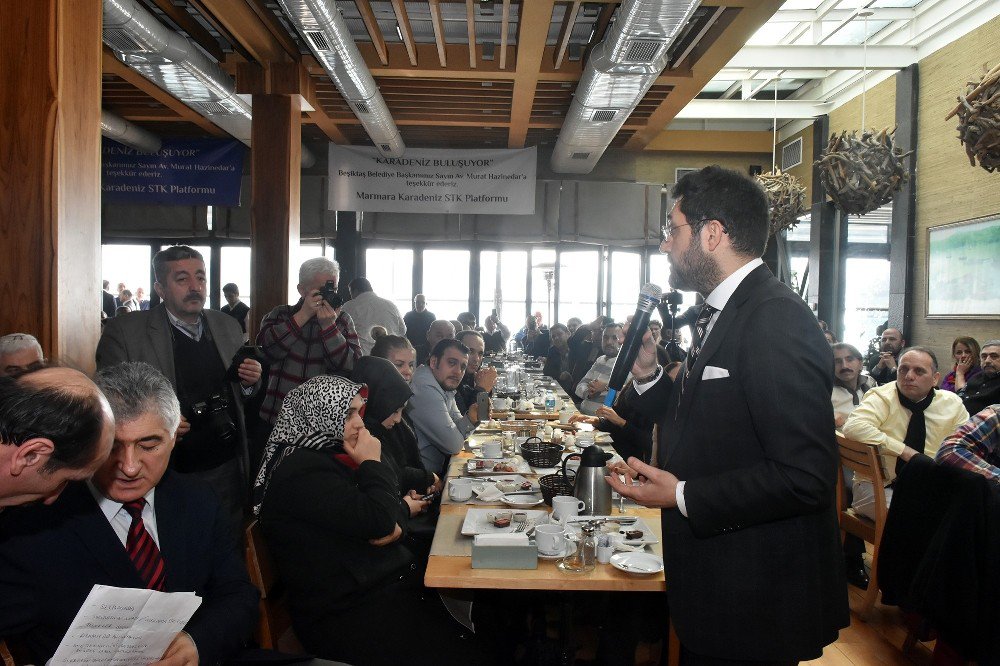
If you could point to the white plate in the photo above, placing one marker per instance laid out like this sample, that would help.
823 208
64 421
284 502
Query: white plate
640 564
648 536
476 522
568 549
521 467
523 500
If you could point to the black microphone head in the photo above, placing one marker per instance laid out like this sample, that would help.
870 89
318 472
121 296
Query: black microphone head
649 297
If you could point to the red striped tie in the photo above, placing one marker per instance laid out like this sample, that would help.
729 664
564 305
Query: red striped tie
142 549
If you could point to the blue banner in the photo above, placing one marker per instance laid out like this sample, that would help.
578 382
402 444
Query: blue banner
184 172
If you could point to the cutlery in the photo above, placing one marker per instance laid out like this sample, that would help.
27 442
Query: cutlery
614 519
523 492
632 567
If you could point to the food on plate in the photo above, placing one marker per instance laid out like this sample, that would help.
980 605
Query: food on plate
526 485
504 466
507 486
632 535
501 519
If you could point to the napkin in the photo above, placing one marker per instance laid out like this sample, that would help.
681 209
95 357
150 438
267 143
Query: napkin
520 539
488 493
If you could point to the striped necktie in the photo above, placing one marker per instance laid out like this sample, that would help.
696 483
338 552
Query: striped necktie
700 327
142 549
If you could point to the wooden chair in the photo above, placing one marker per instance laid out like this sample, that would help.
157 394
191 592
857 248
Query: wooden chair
5 656
274 625
867 464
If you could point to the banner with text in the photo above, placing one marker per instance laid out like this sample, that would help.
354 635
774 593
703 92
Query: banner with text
184 172
428 180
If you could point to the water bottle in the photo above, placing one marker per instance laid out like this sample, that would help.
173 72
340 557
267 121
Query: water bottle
550 401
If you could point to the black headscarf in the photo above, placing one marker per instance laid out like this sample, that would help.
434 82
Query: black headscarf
387 390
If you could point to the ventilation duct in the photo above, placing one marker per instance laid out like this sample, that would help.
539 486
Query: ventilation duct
120 130
324 30
620 71
176 65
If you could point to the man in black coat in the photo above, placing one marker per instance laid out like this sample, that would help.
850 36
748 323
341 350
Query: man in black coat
747 460
51 556
983 390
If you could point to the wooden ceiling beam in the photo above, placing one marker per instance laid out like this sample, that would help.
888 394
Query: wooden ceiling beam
247 22
112 65
566 32
196 31
482 123
319 116
504 29
725 39
532 32
374 31
438 24
403 20
600 28
470 17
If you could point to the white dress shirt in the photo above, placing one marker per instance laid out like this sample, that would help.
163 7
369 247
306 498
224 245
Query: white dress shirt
367 310
121 520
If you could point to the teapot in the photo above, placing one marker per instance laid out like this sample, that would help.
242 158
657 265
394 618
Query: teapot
589 485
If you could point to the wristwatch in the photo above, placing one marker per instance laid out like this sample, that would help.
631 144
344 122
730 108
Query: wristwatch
648 378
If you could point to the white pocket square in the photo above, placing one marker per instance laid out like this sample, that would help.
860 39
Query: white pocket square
712 372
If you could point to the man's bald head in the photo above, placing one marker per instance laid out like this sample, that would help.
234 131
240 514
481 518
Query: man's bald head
441 329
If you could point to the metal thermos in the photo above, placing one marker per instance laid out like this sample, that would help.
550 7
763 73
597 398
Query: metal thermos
590 485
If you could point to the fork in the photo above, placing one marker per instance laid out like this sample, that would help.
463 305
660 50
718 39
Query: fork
525 526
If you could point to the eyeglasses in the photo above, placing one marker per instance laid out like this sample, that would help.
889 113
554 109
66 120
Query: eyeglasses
667 231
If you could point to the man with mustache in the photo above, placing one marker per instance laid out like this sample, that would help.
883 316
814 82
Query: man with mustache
883 370
593 388
193 347
984 389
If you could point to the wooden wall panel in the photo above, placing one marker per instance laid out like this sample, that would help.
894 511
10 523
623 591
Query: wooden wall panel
50 77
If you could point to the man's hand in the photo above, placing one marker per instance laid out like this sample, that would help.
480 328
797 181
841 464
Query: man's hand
183 428
473 413
417 505
611 415
645 361
310 305
486 378
583 418
839 419
886 360
907 453
325 315
181 652
249 372
436 486
657 487
594 387
388 538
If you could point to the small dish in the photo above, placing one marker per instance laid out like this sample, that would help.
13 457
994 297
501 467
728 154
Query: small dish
568 549
642 564
523 500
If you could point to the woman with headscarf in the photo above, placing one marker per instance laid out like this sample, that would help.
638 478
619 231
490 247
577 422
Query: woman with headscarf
387 395
331 512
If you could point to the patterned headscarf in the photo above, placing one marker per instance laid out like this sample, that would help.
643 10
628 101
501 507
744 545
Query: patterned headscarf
313 416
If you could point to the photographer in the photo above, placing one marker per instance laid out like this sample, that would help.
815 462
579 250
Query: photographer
313 337
193 347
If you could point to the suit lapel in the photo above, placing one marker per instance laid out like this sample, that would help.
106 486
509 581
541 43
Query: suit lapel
682 400
161 342
98 537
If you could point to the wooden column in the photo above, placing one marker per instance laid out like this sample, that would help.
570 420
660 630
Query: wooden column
904 207
50 151
275 177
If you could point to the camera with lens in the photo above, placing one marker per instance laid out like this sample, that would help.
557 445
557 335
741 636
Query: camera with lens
330 295
212 417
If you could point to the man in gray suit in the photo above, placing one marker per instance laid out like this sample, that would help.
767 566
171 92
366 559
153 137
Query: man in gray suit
193 346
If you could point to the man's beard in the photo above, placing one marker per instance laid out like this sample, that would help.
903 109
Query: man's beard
695 271
612 353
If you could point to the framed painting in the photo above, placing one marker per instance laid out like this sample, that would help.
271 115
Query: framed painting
963 264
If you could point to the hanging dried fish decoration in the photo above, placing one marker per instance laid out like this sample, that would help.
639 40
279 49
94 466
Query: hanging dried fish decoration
979 119
861 174
786 197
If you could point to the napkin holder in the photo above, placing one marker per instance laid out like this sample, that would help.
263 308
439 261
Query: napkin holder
503 551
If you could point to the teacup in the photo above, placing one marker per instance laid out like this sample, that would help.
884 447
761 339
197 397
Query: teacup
550 539
460 490
492 448
565 415
564 508
569 440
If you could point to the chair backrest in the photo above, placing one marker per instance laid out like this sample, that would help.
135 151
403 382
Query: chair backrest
274 619
864 460
5 657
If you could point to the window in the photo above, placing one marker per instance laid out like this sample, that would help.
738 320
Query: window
625 276
206 253
235 268
578 285
512 285
659 274
390 271
866 299
126 263
446 282
543 266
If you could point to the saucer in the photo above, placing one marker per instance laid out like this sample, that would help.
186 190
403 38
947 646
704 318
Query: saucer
568 549
642 564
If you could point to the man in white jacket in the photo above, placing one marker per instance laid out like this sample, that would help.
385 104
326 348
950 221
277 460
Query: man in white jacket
440 427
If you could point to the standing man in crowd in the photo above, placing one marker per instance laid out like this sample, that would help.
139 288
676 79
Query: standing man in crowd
310 338
883 369
135 524
108 303
19 352
236 308
140 298
55 427
496 335
193 347
748 462
418 320
984 389
367 310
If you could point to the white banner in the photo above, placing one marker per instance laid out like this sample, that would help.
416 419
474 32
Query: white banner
429 180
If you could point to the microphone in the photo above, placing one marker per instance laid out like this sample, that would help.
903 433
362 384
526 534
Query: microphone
649 298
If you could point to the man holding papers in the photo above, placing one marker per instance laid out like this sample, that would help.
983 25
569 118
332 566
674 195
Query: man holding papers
135 524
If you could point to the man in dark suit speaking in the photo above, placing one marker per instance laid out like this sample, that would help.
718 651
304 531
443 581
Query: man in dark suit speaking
747 460
135 524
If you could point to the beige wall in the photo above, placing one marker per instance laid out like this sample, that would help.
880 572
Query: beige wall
654 166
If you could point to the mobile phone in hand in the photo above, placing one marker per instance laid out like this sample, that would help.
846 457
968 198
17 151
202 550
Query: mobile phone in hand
483 405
